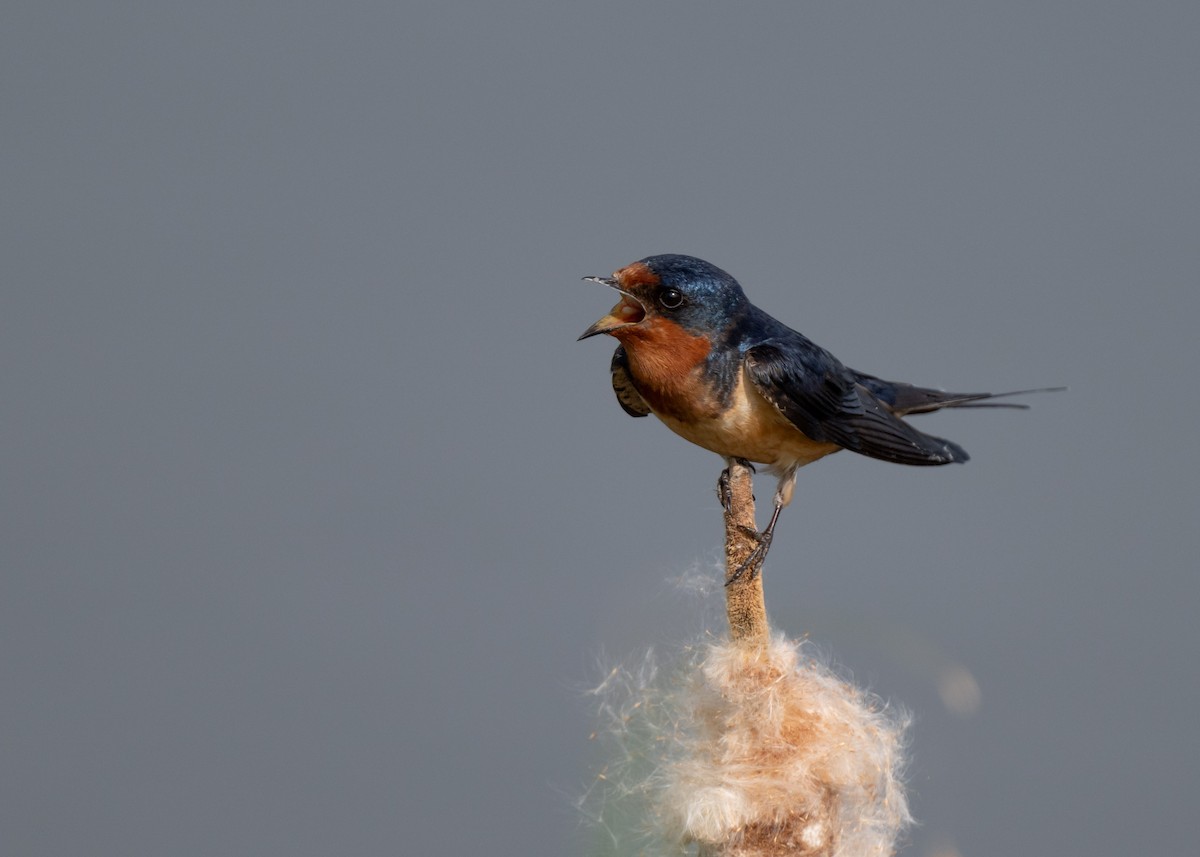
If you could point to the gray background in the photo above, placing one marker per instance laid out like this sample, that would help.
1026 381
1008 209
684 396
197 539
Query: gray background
317 521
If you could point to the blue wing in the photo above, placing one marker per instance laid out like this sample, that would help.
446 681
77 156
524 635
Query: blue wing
833 404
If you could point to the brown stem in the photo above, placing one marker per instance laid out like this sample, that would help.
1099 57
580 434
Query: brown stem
744 596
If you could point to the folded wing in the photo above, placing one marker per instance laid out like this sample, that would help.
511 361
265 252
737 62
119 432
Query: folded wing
627 395
833 404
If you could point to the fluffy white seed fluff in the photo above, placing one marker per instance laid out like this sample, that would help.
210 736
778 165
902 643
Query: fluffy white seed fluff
748 748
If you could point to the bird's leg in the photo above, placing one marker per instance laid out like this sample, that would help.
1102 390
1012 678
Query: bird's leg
754 562
724 492
783 496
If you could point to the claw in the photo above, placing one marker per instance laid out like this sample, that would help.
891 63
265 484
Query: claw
754 562
725 489
725 492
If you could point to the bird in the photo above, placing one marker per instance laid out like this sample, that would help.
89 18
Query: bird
725 375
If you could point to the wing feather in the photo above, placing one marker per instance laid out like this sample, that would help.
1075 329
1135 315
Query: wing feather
823 399
628 397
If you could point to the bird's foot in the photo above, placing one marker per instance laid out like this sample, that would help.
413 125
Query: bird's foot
725 490
754 562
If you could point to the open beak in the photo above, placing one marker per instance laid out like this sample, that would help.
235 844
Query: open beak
628 311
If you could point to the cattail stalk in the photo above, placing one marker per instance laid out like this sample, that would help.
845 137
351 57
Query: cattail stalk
744 602
749 747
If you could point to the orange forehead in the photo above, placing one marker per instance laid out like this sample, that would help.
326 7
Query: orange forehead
635 275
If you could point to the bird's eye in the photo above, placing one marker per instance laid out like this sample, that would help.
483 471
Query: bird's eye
671 298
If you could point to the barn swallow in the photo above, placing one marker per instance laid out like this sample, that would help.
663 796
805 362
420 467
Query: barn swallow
720 372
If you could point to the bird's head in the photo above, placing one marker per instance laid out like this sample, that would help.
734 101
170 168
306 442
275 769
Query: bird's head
692 293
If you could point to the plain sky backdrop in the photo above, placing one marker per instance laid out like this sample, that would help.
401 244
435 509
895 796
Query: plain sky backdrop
316 521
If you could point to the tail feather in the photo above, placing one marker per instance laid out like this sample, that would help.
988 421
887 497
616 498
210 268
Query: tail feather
973 400
904 399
